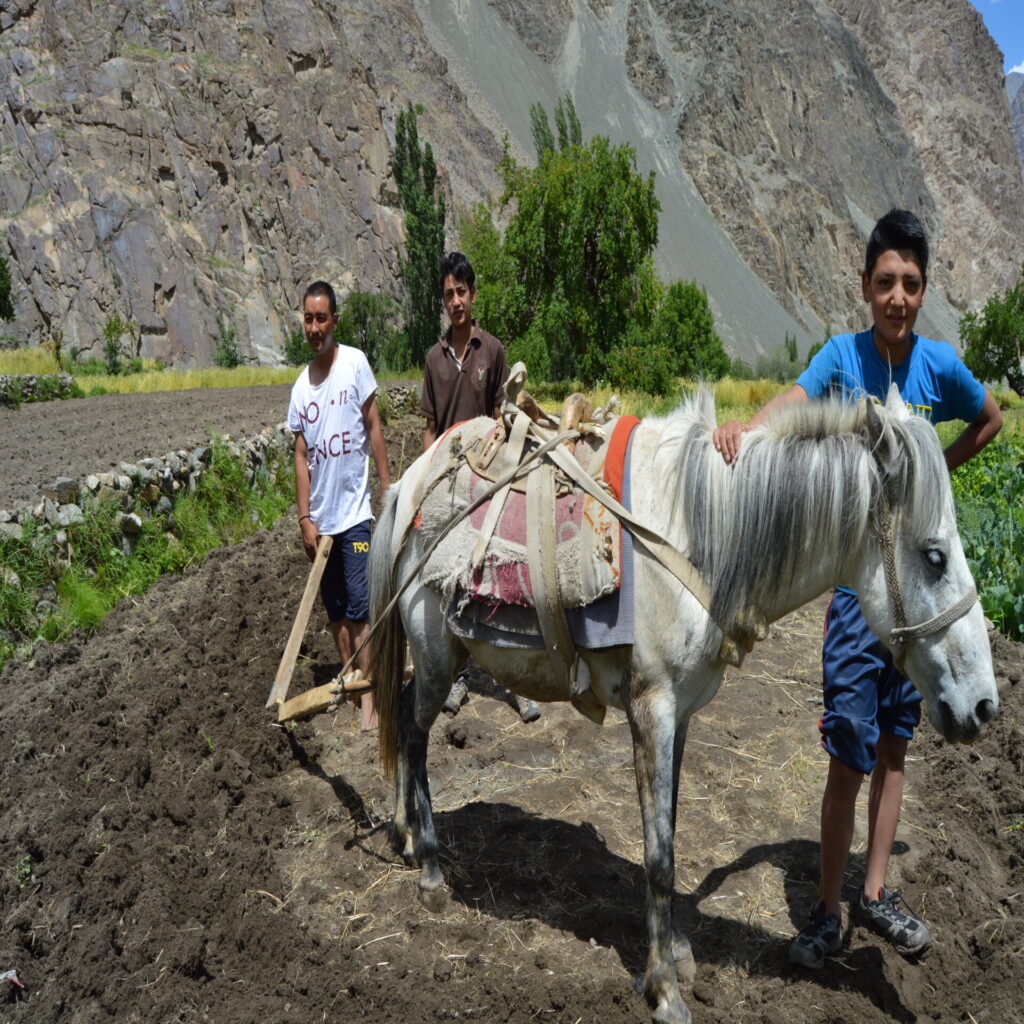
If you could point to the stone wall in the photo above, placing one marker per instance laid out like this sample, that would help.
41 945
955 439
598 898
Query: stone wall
34 387
141 489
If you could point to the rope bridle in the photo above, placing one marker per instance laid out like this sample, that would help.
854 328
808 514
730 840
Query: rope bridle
901 633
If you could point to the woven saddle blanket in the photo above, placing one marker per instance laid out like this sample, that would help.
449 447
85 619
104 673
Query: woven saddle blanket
588 551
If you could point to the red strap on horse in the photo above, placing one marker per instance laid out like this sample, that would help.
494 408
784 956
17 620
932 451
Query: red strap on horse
615 460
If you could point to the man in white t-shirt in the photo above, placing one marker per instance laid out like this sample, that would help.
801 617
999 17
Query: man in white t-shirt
333 413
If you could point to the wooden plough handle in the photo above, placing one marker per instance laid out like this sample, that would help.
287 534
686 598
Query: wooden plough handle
291 652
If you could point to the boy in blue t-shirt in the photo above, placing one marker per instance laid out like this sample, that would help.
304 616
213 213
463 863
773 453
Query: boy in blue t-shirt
871 709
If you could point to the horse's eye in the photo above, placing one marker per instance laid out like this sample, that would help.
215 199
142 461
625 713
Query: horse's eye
936 558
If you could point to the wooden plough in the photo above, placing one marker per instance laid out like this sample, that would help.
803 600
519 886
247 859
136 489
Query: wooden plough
319 698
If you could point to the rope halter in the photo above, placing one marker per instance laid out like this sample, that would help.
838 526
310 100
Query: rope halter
901 633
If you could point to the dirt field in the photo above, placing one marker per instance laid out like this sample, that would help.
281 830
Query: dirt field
169 854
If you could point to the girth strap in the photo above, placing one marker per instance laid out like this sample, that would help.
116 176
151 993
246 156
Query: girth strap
541 537
511 454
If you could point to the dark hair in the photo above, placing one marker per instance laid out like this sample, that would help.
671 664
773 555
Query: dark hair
899 230
456 264
321 288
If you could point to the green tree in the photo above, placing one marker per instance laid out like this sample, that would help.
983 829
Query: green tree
540 128
791 349
296 351
994 338
113 330
576 253
227 355
416 176
6 305
638 363
567 124
685 326
370 321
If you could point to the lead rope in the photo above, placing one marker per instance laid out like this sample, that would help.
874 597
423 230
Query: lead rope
901 632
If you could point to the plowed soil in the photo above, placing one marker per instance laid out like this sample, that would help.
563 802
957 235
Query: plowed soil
168 853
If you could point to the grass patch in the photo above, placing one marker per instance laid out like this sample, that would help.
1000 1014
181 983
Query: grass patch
16 361
186 380
47 591
148 379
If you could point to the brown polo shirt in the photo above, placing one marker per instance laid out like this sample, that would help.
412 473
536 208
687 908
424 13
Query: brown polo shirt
450 394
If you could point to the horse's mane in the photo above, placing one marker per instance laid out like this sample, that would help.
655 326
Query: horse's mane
805 482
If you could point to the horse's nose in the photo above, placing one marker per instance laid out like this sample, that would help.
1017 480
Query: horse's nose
985 710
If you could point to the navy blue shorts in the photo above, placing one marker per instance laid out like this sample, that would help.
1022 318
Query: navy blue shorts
343 588
864 693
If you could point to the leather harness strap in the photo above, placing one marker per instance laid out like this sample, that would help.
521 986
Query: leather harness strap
509 456
540 544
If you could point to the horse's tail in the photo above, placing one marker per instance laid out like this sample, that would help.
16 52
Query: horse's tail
387 639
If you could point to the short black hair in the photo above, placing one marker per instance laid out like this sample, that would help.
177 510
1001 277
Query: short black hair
899 230
321 288
456 264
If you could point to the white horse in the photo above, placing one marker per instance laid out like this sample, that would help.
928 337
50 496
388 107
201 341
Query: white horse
825 493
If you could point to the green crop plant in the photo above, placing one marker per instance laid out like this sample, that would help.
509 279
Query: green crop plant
987 491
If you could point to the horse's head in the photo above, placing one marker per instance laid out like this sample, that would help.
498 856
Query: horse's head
916 591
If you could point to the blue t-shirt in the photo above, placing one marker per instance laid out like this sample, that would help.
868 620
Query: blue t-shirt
932 381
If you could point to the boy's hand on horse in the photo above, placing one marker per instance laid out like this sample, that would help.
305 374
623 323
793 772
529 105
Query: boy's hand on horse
727 437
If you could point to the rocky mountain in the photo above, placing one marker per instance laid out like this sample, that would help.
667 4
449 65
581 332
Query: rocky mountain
1015 94
188 164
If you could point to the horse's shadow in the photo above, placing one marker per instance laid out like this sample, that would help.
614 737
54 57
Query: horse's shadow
505 862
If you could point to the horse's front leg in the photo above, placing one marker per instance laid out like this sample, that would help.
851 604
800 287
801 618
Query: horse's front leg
657 754
414 812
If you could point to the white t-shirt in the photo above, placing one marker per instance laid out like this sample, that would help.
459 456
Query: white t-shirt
330 418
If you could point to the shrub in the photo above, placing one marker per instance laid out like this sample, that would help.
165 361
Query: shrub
685 327
296 351
227 354
91 367
113 330
369 318
994 338
778 366
642 364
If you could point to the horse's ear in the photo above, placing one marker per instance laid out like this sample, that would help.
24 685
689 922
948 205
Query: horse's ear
879 437
893 401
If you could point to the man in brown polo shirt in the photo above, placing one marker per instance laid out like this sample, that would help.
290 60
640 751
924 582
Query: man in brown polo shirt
463 377
464 373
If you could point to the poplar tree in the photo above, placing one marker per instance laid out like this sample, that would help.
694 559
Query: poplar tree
416 177
6 306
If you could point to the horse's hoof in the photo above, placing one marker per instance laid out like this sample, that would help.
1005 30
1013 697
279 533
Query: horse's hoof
671 1011
686 966
435 900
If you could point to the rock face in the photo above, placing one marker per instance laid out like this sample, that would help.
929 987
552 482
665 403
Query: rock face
1015 94
188 165
802 127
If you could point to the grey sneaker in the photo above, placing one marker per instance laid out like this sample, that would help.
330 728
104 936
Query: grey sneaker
458 694
821 937
899 924
528 711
